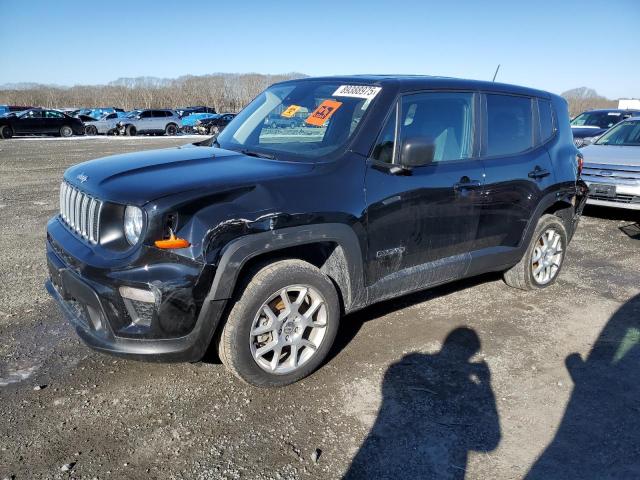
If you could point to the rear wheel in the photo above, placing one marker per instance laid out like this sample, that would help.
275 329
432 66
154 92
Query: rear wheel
282 325
66 131
6 131
130 131
171 129
541 263
91 130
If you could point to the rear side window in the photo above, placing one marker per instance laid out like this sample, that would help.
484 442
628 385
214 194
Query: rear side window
444 119
509 122
547 122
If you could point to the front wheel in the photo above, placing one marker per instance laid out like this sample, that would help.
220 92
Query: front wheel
130 131
282 325
542 261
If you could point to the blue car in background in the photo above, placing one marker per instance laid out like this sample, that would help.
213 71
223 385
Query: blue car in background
189 122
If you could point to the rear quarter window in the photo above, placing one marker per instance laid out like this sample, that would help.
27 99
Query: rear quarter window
547 120
509 124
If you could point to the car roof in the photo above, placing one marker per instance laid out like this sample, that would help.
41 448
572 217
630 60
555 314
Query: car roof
424 82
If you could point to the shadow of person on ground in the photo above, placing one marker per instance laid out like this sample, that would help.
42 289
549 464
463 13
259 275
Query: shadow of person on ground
599 436
435 409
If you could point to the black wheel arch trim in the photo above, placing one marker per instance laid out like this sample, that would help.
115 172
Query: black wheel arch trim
239 251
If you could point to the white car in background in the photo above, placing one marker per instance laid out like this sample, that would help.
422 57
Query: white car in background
106 124
612 166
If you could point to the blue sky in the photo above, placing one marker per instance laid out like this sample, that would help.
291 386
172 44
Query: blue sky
552 45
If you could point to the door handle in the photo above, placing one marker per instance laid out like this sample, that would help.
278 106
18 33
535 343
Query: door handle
539 173
466 183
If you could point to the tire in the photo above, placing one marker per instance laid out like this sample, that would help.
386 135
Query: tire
6 131
239 348
90 130
130 131
530 272
66 131
171 129
112 132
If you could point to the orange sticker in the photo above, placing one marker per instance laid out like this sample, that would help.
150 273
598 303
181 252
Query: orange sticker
290 111
323 112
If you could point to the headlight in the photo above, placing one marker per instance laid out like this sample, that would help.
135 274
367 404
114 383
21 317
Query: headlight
132 224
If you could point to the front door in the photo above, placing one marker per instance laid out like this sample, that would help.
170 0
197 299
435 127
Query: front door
422 222
29 122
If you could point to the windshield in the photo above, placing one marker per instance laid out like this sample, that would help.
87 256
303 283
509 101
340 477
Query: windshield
623 134
133 113
305 119
597 119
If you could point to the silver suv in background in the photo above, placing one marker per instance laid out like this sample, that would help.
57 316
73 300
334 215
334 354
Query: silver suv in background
612 166
150 121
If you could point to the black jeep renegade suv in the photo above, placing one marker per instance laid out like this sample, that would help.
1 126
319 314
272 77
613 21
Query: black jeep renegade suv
259 240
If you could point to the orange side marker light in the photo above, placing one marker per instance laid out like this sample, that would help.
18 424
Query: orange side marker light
172 242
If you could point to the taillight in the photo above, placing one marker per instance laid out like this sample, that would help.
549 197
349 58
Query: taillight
580 163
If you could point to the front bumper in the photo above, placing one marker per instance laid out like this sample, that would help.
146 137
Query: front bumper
92 304
613 193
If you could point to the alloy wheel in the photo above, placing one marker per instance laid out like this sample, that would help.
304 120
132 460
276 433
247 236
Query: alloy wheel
547 256
288 329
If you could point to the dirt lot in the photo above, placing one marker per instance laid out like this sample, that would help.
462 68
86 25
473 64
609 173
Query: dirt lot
469 380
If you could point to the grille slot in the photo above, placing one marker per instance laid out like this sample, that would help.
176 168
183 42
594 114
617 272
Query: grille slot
80 212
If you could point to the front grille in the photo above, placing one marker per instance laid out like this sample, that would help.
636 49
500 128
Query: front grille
619 198
578 142
80 212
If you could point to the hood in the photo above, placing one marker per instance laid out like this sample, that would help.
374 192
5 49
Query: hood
582 132
138 178
611 155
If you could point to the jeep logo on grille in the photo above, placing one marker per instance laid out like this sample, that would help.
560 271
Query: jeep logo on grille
82 178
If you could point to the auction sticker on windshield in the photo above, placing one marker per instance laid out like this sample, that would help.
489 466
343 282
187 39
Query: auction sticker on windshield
323 112
357 91
290 111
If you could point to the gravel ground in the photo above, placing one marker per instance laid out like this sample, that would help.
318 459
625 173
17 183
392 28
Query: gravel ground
469 380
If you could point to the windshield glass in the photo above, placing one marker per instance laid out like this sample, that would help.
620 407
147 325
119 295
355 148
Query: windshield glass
133 113
597 119
624 134
305 119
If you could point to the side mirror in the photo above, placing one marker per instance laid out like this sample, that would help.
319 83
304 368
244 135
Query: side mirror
416 152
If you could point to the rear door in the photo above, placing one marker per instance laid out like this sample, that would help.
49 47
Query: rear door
52 121
517 167
422 222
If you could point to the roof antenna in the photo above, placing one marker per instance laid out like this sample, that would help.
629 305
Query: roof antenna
496 74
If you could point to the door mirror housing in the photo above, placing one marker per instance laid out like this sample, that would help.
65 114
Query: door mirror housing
416 152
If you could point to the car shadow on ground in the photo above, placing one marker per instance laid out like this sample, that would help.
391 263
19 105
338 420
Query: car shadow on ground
436 408
599 435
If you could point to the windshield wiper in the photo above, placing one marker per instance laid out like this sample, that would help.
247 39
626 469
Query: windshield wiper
251 153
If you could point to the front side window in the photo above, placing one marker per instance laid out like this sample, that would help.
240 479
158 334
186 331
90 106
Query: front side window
32 114
623 134
508 124
443 119
303 119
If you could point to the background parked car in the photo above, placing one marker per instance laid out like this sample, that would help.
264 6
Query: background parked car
150 121
40 121
612 166
12 108
189 121
214 125
589 125
278 121
186 111
95 112
106 124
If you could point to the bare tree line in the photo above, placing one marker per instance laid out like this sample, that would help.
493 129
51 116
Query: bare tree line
583 98
225 92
